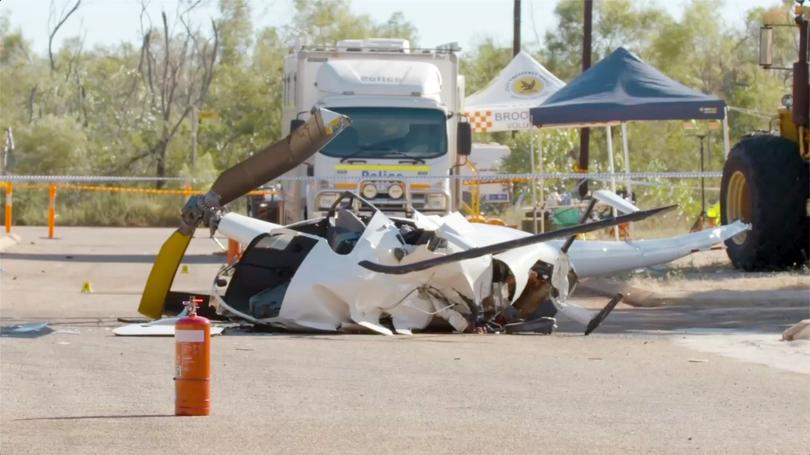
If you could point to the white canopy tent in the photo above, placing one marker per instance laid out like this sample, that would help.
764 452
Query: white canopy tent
505 103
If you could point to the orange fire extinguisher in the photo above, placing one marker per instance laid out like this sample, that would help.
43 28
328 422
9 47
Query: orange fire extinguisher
192 382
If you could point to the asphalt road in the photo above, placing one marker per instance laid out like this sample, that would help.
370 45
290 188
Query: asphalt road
630 388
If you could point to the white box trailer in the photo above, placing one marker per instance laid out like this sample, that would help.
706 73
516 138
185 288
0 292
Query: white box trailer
405 106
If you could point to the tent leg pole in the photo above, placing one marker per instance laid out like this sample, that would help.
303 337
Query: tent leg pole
627 181
726 148
626 152
612 170
533 183
542 181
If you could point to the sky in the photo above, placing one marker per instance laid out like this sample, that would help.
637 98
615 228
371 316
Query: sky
108 22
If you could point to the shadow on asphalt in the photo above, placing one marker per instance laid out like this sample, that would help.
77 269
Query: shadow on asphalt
754 317
675 317
110 258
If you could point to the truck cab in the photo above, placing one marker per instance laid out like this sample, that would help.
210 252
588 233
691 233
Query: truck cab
404 105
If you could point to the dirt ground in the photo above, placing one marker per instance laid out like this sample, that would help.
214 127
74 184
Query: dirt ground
711 271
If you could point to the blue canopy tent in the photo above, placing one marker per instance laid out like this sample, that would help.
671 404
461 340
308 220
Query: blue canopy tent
623 88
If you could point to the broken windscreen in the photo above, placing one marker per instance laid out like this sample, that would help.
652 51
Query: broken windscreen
386 132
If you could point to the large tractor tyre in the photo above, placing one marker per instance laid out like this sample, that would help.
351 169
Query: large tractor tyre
765 183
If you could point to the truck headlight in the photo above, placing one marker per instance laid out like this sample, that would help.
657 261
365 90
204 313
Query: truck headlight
435 201
369 191
324 201
395 191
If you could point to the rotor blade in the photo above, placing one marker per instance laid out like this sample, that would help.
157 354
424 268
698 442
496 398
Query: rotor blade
594 323
162 274
323 125
511 244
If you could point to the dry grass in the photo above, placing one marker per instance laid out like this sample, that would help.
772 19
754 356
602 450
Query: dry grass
712 271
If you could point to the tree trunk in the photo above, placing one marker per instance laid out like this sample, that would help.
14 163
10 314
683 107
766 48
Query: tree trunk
160 169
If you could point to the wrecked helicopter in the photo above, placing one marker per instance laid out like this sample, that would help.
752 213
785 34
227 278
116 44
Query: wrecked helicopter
356 267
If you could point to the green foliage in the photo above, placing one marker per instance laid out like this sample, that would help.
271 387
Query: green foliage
323 22
483 64
205 171
246 99
80 208
117 209
236 31
54 143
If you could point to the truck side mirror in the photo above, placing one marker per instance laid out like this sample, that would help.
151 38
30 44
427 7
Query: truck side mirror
296 123
766 46
464 139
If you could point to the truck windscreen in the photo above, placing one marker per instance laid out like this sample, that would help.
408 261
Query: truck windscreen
385 132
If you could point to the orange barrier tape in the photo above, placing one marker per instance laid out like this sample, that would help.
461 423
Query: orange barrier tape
124 189
494 181
8 189
502 181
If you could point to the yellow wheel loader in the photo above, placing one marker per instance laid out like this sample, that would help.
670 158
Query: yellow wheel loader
765 177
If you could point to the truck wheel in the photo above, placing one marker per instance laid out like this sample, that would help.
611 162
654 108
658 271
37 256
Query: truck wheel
765 183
